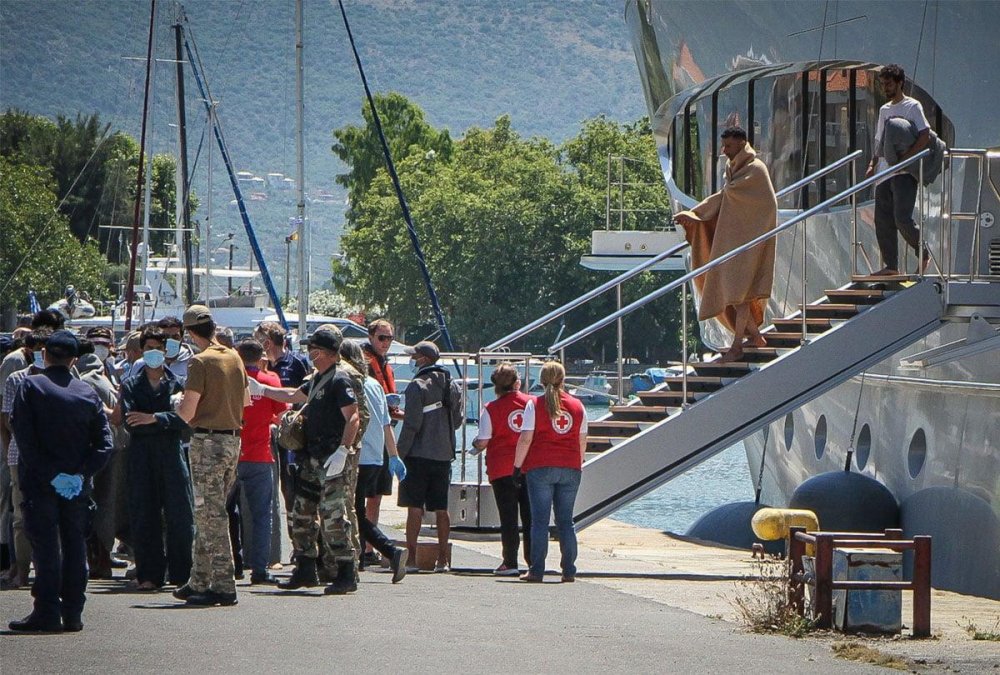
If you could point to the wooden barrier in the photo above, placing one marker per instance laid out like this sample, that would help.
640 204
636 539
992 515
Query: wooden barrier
824 584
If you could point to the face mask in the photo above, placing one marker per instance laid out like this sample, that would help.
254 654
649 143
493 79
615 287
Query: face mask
102 352
154 358
173 348
38 360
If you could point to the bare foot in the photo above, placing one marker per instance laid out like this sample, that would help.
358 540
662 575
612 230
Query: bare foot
734 353
756 341
886 272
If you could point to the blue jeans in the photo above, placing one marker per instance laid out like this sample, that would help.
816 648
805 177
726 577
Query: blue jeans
256 479
550 489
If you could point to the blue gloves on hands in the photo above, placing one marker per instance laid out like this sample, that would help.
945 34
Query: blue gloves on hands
68 486
397 468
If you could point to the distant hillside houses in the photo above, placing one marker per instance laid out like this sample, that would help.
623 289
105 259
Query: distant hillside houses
276 186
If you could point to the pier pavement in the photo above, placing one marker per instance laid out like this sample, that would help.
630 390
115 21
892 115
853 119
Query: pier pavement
644 602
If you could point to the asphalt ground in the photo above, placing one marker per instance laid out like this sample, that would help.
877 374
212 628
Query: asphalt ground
464 622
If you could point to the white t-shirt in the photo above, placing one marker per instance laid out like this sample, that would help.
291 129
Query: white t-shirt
909 109
529 419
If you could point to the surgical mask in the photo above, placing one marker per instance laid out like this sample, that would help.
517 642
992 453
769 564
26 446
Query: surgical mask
102 352
173 348
38 360
413 364
154 358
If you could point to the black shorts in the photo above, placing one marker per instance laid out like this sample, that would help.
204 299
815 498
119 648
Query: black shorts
368 477
426 485
383 485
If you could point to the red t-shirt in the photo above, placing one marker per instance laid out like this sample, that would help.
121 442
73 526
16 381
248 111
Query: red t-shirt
255 439
506 415
556 443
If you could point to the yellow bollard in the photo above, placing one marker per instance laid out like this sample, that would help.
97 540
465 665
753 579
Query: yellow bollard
774 524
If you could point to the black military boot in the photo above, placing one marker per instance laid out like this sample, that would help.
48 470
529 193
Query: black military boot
346 581
303 576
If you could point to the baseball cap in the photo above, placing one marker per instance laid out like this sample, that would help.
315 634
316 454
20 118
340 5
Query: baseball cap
101 335
196 315
327 337
426 349
62 345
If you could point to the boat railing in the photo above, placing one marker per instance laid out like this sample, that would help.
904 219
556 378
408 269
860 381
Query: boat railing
616 283
800 219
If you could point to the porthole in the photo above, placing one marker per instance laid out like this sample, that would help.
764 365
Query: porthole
917 454
864 448
820 436
789 431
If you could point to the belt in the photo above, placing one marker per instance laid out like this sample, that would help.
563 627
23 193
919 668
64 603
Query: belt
224 432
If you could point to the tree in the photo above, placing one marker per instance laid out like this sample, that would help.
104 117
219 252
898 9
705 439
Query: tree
504 221
406 130
39 251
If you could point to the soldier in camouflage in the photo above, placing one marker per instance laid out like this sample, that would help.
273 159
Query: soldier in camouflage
333 417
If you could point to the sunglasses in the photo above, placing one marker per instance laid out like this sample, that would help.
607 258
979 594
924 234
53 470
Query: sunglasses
384 338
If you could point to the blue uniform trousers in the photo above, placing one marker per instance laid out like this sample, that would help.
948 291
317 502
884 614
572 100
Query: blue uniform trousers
57 529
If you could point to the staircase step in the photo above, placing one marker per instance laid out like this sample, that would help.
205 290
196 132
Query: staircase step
600 443
664 397
694 383
644 413
813 325
762 354
616 428
858 296
783 339
832 310
734 369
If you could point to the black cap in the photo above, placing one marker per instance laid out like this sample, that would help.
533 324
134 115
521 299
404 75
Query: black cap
327 338
62 345
426 349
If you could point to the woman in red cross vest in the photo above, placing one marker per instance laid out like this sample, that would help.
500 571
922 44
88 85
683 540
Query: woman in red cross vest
499 428
550 453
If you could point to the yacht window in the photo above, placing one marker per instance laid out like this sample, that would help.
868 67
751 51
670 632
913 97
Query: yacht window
789 431
917 454
864 447
820 436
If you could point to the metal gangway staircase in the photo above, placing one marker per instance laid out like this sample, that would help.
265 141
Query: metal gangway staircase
644 443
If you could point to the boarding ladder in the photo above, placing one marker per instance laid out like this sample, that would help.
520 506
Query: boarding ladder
642 444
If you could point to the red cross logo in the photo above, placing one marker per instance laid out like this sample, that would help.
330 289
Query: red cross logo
563 423
516 420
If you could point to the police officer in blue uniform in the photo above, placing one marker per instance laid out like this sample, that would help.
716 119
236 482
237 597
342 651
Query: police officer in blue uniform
64 439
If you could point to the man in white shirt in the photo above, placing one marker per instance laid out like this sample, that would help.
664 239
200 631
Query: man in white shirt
901 132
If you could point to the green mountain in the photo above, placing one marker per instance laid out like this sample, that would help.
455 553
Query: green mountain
548 63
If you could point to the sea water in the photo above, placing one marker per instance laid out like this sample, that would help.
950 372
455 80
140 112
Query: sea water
676 505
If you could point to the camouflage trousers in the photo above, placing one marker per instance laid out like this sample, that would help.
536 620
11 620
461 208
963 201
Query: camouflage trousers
331 500
213 472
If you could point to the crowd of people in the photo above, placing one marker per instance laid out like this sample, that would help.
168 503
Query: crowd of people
176 447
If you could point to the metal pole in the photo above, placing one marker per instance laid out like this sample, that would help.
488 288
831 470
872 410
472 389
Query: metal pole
854 221
621 194
684 344
303 305
231 247
208 218
804 298
288 262
621 348
607 198
920 198
182 191
465 391
147 200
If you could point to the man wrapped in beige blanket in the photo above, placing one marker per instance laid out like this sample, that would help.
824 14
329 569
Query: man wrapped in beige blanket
737 291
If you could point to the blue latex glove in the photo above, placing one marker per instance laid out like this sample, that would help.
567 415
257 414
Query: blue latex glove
397 468
68 486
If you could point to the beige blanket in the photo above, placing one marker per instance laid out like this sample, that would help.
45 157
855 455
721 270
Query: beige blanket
742 210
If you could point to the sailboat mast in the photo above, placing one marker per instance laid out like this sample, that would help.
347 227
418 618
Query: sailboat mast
147 201
303 304
182 188
130 290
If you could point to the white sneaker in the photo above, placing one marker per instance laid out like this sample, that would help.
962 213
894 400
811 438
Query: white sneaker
504 571
441 567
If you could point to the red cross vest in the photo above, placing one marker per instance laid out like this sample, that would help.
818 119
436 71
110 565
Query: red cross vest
556 442
506 415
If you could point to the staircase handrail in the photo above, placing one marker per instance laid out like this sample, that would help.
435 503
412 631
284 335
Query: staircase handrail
658 258
663 290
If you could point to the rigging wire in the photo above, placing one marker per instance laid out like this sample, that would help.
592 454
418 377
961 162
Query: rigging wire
391 167
920 42
857 411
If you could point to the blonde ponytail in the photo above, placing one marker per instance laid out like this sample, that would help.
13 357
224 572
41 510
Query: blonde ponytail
552 377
